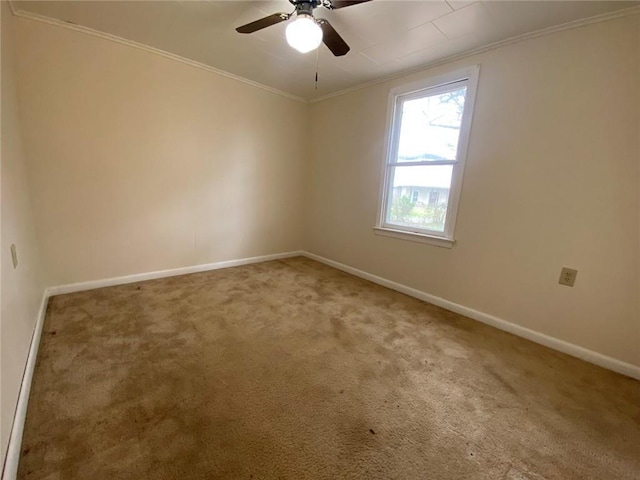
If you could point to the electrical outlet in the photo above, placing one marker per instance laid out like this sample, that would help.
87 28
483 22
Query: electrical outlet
568 276
14 255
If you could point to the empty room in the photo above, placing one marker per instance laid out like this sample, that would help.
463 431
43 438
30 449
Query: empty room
320 239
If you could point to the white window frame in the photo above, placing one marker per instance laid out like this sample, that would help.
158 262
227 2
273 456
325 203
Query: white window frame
430 86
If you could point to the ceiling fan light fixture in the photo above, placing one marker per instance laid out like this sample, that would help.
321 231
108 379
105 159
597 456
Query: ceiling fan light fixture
304 34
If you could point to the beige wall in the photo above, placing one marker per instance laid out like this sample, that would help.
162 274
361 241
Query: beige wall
552 179
22 288
141 163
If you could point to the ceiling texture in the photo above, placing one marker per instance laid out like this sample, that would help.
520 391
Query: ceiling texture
387 37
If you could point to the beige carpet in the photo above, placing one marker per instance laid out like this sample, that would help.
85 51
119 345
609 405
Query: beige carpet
294 370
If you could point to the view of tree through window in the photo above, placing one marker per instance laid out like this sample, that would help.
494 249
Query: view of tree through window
420 180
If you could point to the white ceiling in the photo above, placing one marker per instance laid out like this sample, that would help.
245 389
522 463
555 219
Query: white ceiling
387 37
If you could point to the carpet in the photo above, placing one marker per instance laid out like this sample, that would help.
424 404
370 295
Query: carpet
294 370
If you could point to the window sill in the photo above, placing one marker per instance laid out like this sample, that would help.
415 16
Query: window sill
414 237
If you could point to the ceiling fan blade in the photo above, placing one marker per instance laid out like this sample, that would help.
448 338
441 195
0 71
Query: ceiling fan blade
345 3
263 23
332 39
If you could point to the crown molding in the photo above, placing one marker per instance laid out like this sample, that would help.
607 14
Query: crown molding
476 51
12 6
130 43
626 12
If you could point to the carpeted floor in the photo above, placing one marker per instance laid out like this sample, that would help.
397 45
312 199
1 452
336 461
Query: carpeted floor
293 370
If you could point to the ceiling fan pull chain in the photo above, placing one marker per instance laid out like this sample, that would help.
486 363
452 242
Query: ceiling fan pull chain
317 55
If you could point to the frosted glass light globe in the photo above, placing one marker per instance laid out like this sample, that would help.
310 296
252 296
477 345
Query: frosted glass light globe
304 34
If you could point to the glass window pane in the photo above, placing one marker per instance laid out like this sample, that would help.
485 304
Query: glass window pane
418 197
430 127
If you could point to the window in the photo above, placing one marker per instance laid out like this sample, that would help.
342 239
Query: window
429 126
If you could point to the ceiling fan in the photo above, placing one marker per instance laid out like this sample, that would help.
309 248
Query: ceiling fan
306 33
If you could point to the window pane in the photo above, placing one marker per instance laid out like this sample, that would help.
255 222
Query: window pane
430 127
419 196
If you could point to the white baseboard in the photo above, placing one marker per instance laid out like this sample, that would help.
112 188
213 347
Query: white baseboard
12 459
15 441
140 277
582 353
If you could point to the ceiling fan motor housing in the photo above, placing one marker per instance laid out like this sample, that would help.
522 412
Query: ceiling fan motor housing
305 7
